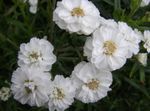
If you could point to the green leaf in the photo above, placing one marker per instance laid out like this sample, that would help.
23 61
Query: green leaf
142 75
117 5
135 4
138 87
133 70
110 2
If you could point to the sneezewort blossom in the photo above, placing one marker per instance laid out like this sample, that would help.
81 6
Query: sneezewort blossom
79 16
61 94
30 86
106 49
37 53
91 84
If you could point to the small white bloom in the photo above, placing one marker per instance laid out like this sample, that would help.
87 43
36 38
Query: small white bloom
30 86
37 53
5 93
142 58
147 40
80 16
92 84
62 94
144 3
33 5
33 9
106 49
132 38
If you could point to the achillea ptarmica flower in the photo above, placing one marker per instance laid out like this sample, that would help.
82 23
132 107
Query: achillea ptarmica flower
142 58
33 5
144 3
5 93
30 86
132 38
106 49
146 40
37 53
91 84
79 16
62 94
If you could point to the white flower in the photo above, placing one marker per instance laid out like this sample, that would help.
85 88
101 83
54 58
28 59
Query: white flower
33 9
80 16
132 38
92 84
30 86
106 49
33 5
142 58
5 93
144 3
62 94
37 53
147 40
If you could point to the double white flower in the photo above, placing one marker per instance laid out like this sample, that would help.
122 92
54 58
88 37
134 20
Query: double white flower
31 86
62 94
106 49
80 16
37 53
91 84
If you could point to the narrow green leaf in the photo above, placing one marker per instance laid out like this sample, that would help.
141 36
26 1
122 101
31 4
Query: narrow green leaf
110 2
138 87
135 4
142 75
117 4
133 70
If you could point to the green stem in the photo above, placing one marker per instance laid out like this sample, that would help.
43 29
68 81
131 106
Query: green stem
50 9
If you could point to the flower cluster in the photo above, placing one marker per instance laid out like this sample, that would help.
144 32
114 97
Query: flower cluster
107 48
32 83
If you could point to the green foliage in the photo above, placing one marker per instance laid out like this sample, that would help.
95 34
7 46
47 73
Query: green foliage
131 85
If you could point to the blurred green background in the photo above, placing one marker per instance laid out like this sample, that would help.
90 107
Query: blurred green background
131 85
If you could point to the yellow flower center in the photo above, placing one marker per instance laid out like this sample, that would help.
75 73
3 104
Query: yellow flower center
93 84
29 87
34 55
58 93
110 47
77 12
